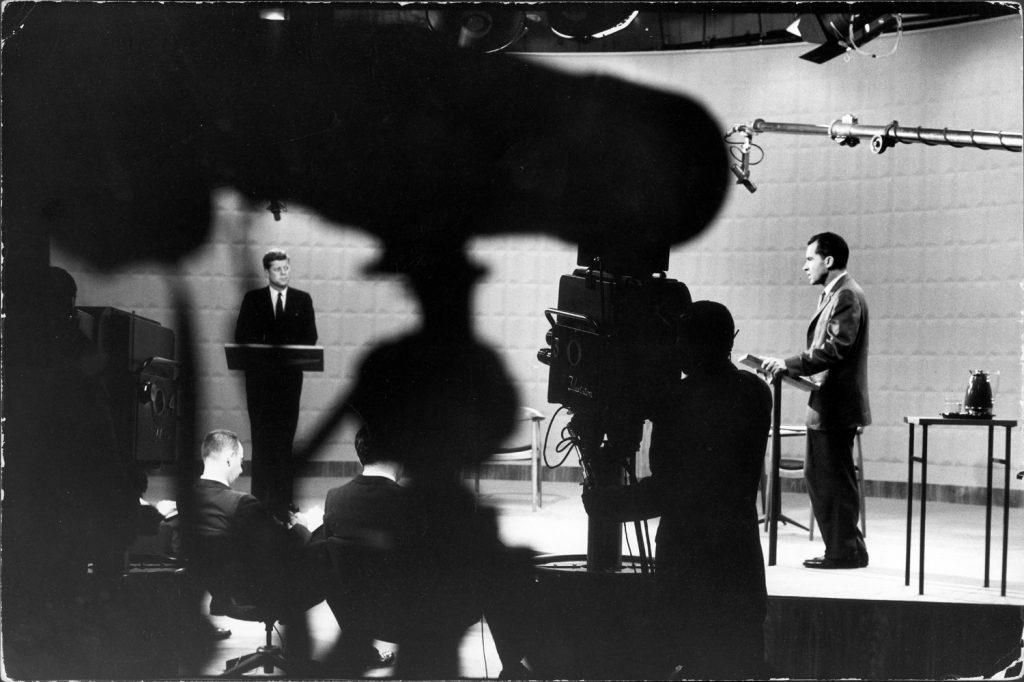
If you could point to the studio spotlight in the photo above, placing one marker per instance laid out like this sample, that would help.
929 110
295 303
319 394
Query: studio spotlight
274 14
838 33
590 23
485 28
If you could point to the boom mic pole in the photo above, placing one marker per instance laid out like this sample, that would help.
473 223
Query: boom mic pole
848 132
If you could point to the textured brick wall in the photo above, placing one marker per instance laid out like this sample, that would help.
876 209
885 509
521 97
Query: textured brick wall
936 234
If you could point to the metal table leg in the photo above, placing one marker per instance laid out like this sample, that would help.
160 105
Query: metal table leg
988 505
1006 509
910 500
924 499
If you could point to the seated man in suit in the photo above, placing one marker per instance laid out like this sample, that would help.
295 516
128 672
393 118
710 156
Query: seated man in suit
243 554
362 521
241 547
367 522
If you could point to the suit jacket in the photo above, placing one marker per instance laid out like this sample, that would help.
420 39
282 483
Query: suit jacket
837 357
364 521
256 322
369 511
235 529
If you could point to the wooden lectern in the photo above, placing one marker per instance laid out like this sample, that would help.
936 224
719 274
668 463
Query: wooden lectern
775 508
245 356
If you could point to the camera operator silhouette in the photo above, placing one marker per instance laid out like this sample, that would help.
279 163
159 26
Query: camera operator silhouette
72 516
707 449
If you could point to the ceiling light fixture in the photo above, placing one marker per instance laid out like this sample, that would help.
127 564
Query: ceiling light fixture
837 34
589 24
274 14
485 28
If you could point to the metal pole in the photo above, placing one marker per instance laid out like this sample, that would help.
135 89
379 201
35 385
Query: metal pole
776 500
884 136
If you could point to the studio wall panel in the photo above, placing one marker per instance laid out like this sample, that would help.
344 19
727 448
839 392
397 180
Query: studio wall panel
935 232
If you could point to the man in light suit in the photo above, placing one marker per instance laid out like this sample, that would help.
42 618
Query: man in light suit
278 315
837 358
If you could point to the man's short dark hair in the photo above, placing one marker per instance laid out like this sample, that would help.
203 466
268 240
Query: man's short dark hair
708 326
831 244
273 255
219 440
366 448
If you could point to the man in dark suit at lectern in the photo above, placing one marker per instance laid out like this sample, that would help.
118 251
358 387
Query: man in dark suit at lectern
278 315
837 355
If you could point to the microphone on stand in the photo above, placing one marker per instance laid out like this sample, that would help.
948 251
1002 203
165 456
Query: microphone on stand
742 172
742 169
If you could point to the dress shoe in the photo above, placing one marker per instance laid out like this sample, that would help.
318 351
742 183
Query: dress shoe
859 560
218 634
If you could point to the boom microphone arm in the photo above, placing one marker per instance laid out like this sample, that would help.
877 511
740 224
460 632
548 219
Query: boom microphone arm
846 131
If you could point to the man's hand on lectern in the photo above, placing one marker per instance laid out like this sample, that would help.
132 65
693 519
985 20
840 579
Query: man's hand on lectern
772 366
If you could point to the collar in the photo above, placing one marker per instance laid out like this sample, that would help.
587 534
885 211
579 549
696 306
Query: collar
831 286
382 471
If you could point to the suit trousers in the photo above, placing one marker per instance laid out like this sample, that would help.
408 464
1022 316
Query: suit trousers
272 398
832 486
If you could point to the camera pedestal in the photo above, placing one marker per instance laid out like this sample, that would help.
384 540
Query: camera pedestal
592 624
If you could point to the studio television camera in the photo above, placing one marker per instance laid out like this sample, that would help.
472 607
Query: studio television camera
611 356
141 381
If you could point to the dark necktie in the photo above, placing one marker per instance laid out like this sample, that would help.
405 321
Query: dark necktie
279 308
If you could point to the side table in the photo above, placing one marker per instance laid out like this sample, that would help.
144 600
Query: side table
924 423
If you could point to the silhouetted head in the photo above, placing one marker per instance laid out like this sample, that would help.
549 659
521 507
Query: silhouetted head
61 294
706 334
432 406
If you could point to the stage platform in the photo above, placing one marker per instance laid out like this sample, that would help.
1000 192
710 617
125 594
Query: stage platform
862 623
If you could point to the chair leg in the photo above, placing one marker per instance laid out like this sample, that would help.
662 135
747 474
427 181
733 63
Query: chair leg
268 660
538 495
540 484
534 482
267 657
860 488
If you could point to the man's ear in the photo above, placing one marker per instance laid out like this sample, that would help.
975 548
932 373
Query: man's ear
829 261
